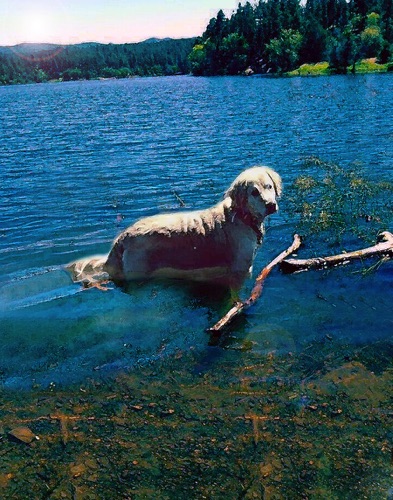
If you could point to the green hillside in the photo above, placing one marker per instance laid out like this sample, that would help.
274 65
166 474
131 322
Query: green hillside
28 63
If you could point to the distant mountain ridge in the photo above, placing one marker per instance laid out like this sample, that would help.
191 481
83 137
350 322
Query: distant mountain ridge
40 62
31 47
156 40
34 47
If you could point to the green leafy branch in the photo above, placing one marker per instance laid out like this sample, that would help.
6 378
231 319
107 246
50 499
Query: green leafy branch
339 205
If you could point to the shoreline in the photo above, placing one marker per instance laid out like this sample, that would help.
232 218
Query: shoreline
304 71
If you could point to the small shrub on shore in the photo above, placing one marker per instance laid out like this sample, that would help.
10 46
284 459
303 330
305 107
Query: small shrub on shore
317 69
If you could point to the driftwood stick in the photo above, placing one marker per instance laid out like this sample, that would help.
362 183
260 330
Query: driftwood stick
257 289
383 248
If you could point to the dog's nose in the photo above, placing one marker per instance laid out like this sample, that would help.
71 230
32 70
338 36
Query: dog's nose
271 208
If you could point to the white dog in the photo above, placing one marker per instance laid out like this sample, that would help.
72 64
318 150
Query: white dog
215 245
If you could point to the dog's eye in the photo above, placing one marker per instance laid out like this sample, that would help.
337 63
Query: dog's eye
255 192
268 186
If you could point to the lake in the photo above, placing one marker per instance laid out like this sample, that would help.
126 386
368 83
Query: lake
81 161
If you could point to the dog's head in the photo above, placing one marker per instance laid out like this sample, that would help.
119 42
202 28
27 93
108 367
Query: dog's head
255 192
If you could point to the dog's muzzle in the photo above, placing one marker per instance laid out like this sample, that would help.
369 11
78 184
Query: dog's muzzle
271 208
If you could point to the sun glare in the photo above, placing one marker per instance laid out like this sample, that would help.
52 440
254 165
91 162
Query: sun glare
36 27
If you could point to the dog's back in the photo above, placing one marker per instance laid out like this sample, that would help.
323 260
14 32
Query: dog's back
216 244
192 245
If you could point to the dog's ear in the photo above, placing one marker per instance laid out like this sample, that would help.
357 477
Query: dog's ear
238 193
277 182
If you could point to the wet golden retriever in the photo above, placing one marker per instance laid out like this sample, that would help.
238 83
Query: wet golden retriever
214 245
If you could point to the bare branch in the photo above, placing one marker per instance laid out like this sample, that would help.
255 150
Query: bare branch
257 289
383 248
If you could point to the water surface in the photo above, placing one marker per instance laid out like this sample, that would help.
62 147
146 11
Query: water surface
80 161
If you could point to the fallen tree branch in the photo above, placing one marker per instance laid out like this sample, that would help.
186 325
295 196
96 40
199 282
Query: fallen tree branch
383 248
257 290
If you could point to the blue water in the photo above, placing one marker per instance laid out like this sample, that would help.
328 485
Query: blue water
80 161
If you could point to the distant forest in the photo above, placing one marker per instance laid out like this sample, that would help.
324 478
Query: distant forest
280 35
267 36
29 63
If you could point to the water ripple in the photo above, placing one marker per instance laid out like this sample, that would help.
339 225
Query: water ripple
80 161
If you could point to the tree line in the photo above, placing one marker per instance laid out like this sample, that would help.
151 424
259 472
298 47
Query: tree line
29 63
266 36
280 35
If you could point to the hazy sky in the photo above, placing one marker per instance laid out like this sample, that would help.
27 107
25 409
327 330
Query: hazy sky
116 21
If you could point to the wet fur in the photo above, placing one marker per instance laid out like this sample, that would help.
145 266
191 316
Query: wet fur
217 244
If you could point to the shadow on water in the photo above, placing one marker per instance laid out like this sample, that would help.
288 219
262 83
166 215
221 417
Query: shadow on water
211 299
200 294
54 331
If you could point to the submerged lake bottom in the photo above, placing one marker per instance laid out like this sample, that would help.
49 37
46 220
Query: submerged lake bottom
293 401
309 424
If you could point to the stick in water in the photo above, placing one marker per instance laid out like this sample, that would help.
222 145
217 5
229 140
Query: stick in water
257 290
383 247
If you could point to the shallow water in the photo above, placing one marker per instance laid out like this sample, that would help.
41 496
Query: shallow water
81 161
